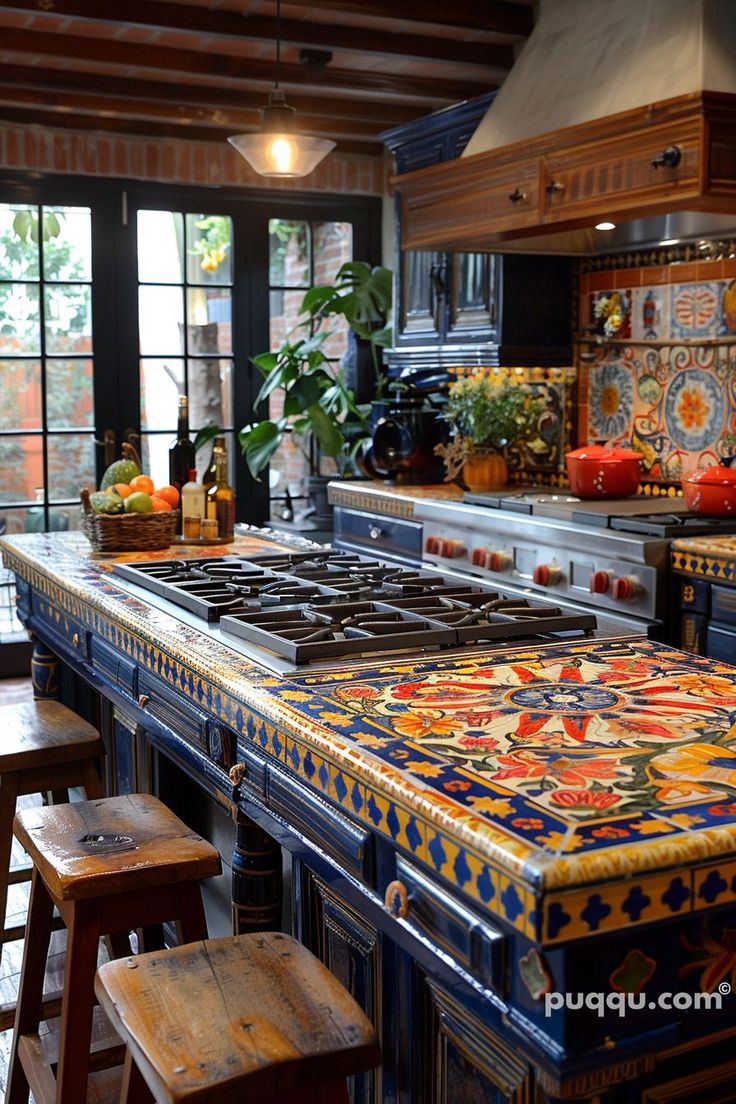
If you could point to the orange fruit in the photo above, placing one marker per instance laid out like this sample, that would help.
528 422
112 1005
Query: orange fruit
168 494
160 505
142 483
122 489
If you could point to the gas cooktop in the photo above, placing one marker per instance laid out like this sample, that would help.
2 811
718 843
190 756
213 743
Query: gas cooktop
318 605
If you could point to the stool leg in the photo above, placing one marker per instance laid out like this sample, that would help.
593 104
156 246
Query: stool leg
192 925
327 1092
134 1089
92 780
8 797
82 945
35 954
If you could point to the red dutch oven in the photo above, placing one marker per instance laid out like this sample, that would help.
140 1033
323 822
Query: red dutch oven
598 472
712 491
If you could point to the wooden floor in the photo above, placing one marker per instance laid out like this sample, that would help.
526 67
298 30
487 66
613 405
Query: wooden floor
105 1085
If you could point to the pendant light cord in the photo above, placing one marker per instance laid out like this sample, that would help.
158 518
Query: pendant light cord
278 42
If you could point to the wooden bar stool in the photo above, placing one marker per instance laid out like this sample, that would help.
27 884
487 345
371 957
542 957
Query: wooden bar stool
108 866
43 746
234 1021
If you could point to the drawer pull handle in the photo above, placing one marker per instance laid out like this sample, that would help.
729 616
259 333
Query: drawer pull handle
669 158
517 195
397 900
375 533
75 640
143 700
236 774
554 186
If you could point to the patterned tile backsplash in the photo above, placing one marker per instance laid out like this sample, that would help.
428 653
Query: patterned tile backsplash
662 375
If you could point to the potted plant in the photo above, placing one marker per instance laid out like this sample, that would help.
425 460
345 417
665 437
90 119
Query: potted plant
486 416
319 408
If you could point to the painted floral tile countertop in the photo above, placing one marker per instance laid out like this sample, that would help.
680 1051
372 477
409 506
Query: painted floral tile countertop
710 557
569 789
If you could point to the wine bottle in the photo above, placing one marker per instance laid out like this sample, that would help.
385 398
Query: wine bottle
210 474
181 453
221 496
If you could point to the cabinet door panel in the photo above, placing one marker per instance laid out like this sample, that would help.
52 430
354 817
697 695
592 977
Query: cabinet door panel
473 302
422 297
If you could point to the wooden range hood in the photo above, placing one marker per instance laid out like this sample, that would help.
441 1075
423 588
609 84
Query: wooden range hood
545 194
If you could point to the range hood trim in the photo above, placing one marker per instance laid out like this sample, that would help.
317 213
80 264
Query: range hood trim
450 205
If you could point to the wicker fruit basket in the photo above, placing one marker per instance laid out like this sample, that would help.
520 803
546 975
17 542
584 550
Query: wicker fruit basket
127 532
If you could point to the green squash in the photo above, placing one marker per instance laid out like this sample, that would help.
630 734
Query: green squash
104 503
122 471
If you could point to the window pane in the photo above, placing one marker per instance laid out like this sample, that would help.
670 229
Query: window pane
288 253
208 315
13 521
20 331
20 394
71 460
209 245
155 456
160 247
21 461
67 243
162 381
18 242
210 393
161 320
333 246
68 318
69 393
285 314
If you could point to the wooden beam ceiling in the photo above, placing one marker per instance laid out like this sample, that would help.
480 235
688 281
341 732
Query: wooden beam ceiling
154 67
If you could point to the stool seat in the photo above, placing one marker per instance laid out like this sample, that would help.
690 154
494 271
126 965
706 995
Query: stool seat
92 849
47 732
241 1019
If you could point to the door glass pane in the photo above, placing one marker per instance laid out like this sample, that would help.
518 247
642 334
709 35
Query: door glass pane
161 320
333 246
289 260
68 321
21 461
160 247
209 249
210 393
67 243
13 521
18 242
71 460
155 456
69 393
20 394
162 381
20 330
208 314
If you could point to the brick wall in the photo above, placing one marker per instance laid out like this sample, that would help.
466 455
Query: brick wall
172 160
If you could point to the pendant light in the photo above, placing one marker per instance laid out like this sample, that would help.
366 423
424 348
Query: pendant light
277 149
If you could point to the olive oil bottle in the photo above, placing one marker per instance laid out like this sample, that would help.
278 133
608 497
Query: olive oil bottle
221 496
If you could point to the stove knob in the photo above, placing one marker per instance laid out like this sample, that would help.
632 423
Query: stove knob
499 561
452 549
547 574
479 557
600 582
625 588
432 545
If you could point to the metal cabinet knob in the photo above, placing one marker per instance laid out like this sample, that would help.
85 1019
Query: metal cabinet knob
669 158
375 533
397 900
75 640
517 195
554 186
143 700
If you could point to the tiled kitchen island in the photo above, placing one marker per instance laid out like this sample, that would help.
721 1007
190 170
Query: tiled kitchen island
468 835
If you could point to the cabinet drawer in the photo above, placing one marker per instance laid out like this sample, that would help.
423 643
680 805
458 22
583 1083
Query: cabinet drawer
474 944
172 710
348 843
723 605
378 534
112 665
62 632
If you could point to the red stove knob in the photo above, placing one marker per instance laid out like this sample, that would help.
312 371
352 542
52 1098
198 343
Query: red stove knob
445 546
479 557
432 545
600 582
499 561
625 588
547 574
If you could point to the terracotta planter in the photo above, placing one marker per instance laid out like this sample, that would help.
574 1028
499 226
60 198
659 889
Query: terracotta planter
485 471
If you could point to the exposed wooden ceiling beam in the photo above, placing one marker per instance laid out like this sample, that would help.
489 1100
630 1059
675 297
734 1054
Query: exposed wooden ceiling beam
489 15
105 106
32 117
250 70
202 95
184 17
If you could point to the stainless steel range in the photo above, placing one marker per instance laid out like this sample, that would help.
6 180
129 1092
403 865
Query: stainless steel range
288 609
607 555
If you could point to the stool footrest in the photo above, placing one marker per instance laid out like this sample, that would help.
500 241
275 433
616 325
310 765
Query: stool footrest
20 874
10 935
50 1010
39 1058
